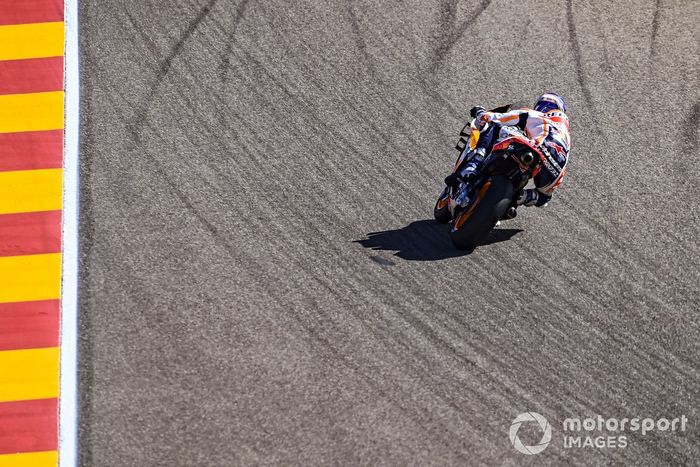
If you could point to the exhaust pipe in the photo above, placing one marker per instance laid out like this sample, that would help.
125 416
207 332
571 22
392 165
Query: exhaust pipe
527 158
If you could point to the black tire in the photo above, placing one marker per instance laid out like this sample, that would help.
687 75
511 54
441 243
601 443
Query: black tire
485 213
442 215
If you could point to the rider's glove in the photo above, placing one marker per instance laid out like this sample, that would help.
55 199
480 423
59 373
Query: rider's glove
476 111
469 172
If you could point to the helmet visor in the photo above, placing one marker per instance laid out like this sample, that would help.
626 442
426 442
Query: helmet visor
546 106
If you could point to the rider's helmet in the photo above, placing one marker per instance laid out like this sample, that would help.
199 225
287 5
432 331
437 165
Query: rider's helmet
548 102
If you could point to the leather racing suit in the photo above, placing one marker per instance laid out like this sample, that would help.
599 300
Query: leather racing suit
549 131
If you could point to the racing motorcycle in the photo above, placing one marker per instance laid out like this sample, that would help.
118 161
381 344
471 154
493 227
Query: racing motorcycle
476 206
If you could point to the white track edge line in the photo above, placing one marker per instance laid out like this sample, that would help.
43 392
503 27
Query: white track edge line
68 401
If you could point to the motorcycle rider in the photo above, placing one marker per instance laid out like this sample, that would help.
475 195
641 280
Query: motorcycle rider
546 124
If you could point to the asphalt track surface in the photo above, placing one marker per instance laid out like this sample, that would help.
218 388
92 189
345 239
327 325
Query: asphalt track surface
262 282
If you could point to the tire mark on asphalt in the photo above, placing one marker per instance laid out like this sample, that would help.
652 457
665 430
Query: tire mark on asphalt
166 64
373 71
640 261
140 119
618 259
684 164
578 57
238 16
448 13
399 119
359 40
312 77
606 66
311 115
595 296
690 138
655 27
553 301
445 44
583 83
343 359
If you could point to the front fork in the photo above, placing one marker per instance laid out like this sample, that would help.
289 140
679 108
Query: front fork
461 198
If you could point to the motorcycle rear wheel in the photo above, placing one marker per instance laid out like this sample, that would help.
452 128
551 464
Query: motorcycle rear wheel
472 225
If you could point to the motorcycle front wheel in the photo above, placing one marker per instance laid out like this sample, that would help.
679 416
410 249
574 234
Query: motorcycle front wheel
441 210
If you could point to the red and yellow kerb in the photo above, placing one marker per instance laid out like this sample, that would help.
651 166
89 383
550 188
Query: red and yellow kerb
31 157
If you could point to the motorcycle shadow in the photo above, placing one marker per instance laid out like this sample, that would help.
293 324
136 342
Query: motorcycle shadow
426 240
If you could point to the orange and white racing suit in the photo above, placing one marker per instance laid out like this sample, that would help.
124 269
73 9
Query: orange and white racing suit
549 131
